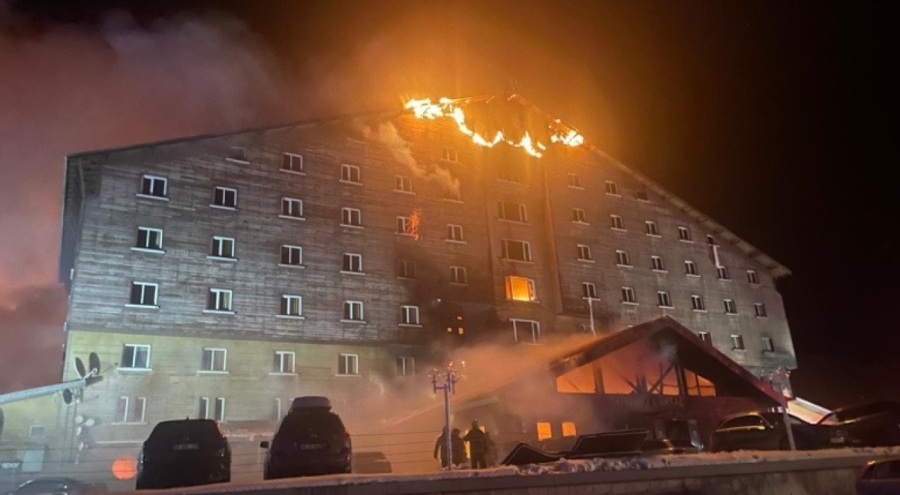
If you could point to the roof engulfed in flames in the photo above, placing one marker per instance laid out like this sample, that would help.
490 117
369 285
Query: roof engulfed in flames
492 120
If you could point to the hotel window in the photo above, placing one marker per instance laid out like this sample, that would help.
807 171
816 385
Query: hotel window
449 154
705 337
612 188
351 217
616 222
568 429
284 362
149 238
353 311
588 290
276 409
454 233
237 153
578 215
402 184
292 162
406 269
584 252
154 186
135 356
665 301
350 173
544 430
697 303
622 258
768 344
528 331
516 250
291 255
520 289
225 197
684 234
722 273
458 275
213 359
404 225
737 342
760 310
291 207
406 366
352 263
511 211
219 300
291 305
203 410
143 294
409 315
752 277
730 307
131 409
222 247
657 263
348 364
690 268
575 181
641 194
219 413
628 295
652 228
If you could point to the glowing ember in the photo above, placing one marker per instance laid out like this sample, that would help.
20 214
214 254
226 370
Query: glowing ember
447 108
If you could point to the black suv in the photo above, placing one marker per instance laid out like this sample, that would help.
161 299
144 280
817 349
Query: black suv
184 452
310 440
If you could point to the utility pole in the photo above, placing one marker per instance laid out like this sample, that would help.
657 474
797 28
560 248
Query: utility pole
445 380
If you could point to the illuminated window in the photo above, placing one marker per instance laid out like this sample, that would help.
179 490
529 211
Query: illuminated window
291 208
222 247
705 337
628 295
350 173
409 315
752 277
352 263
737 342
722 273
697 385
135 356
353 311
153 186
528 331
219 300
578 215
458 275
351 217
760 310
575 181
622 258
291 305
292 162
403 184
568 429
406 366
516 250
131 409
237 154
690 268
143 294
406 269
284 362
658 264
520 289
213 359
454 233
588 290
697 303
730 307
584 252
612 188
404 225
514 212
224 197
149 238
684 234
616 222
449 154
652 228
348 364
544 430
664 300
768 344
291 255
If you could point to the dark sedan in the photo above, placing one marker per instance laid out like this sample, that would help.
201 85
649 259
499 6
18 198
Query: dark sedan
879 477
758 430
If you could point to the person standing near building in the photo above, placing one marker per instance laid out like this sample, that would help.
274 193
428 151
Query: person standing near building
459 449
440 447
477 446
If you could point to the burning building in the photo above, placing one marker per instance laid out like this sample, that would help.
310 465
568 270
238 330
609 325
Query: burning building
219 276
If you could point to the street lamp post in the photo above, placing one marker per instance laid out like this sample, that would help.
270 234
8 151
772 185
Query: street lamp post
445 380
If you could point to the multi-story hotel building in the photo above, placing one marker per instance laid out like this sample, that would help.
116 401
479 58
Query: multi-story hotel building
222 275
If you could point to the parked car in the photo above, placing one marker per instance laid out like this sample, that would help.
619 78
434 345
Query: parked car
310 440
371 463
58 486
872 424
879 477
184 452
667 446
758 430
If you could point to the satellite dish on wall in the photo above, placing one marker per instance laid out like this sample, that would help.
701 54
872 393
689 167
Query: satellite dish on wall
94 363
67 396
79 367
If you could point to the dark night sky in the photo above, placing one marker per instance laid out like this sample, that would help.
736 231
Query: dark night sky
771 117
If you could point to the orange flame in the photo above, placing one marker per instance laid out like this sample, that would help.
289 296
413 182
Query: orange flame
447 108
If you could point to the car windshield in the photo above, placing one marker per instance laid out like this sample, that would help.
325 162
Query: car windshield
298 422
187 430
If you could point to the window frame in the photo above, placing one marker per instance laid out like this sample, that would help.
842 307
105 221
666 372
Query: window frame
238 154
134 357
759 310
403 184
664 299
407 269
753 277
690 268
737 342
215 300
287 208
224 203
612 188
574 181
657 263
352 264
455 233
768 344
579 215
348 364
351 217
616 222
525 246
589 290
351 308
148 233
511 282
278 363
628 295
623 258
684 234
652 228
213 352
404 226
301 170
218 246
509 211
455 278
290 249
287 306
449 154
705 337
148 182
351 174
534 328
730 306
697 303
410 316
405 366
127 415
722 273
584 253
141 303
